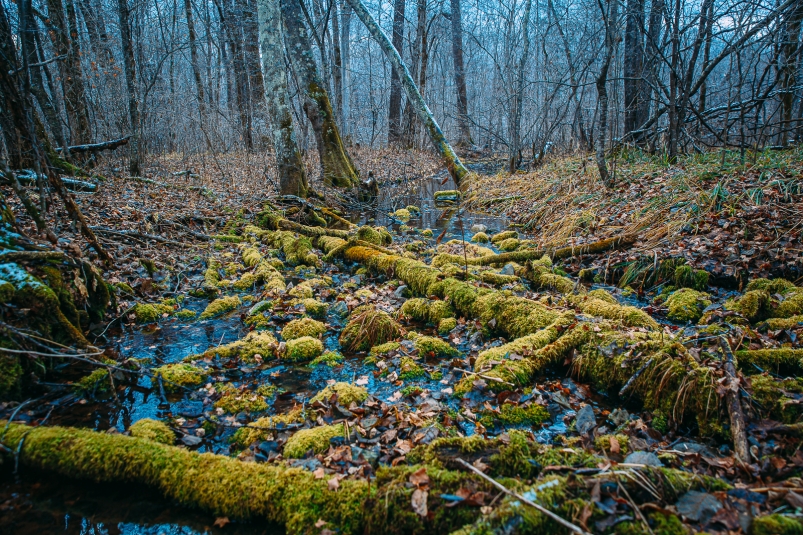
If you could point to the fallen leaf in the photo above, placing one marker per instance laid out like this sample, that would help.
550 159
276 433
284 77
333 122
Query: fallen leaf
320 523
221 521
333 483
420 478
614 445
319 473
419 502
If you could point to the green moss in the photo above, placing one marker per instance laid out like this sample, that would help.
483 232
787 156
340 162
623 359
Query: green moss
754 305
774 286
402 214
775 525
792 305
509 414
446 325
228 238
96 382
687 277
303 327
409 369
346 394
368 327
10 374
255 343
251 256
313 307
435 347
480 237
315 439
302 291
235 400
330 358
154 430
220 306
180 375
687 305
603 295
504 235
510 244
268 274
498 279
603 442
773 396
304 348
186 314
383 349
792 322
628 315
427 233
416 309
150 312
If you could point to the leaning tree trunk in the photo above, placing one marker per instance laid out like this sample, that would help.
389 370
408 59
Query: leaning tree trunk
129 67
450 158
460 75
292 177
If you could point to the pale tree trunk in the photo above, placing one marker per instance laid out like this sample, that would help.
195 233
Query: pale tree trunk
129 67
460 75
337 74
518 99
394 111
583 138
419 65
338 169
611 38
450 158
196 68
290 168
709 36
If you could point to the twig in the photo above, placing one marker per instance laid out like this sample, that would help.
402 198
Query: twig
738 427
488 377
547 512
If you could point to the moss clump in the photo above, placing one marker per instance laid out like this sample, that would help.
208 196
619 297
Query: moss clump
313 307
792 305
6 291
154 430
235 400
754 305
775 525
383 349
509 414
446 325
303 327
410 370
427 233
255 343
180 375
603 442
628 315
434 347
603 295
367 328
402 214
771 394
497 279
427 311
773 286
480 237
96 382
687 277
269 276
302 291
251 256
330 358
304 348
10 374
785 323
510 244
212 276
220 306
687 305
186 314
315 439
346 394
772 359
151 312
504 235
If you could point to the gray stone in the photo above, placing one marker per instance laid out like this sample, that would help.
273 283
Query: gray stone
585 421
189 409
619 416
478 227
643 457
259 307
698 506
399 292
339 309
509 269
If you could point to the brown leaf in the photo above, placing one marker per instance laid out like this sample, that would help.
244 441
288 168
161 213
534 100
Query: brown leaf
221 521
320 523
334 483
794 499
419 502
319 473
420 478
614 445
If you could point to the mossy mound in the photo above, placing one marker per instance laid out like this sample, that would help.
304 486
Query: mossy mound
185 314
154 430
151 312
95 383
754 305
236 400
302 291
773 286
402 214
791 305
368 327
303 327
446 325
251 256
315 440
434 347
792 322
504 235
686 305
480 237
384 349
313 307
510 244
220 306
180 375
410 370
255 343
776 525
687 277
426 310
346 394
329 358
303 349
774 396
509 414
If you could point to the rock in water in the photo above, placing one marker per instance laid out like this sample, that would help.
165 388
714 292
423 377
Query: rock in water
585 421
478 228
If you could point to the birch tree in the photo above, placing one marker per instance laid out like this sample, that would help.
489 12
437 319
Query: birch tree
290 168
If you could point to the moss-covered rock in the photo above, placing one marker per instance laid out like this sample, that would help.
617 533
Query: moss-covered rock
687 305
776 525
251 256
329 358
315 440
220 306
303 349
302 291
435 347
791 305
180 375
261 343
409 369
151 312
384 349
346 394
504 235
480 237
509 414
426 310
773 286
185 314
368 327
154 430
236 400
446 325
510 244
303 327
402 214
773 395
754 305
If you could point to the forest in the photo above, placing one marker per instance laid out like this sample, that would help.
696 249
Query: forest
349 267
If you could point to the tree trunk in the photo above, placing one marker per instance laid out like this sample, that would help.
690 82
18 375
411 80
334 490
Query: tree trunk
418 63
709 35
651 63
134 165
460 75
251 52
787 70
337 74
338 169
518 101
196 69
290 168
12 109
345 44
633 64
611 38
394 111
450 159
674 86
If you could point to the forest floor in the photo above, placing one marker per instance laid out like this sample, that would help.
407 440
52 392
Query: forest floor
600 381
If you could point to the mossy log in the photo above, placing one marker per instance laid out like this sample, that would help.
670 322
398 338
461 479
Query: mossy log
297 499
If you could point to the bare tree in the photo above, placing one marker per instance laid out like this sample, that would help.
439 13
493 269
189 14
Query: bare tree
394 109
610 15
134 165
460 74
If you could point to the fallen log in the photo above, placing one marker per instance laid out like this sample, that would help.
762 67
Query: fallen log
734 404
28 176
96 147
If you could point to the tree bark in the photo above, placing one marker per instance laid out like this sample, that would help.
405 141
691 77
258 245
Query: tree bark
787 71
134 164
610 19
418 61
338 169
518 100
394 110
196 69
450 158
633 64
251 51
460 75
290 168
345 44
